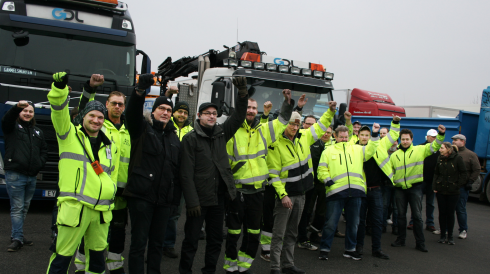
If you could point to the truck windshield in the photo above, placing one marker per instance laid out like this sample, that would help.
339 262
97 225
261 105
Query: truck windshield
318 97
78 54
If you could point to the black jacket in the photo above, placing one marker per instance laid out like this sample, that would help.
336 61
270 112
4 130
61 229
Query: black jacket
26 150
154 162
429 165
202 155
450 174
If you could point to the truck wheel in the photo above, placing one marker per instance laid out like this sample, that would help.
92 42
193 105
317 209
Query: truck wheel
487 191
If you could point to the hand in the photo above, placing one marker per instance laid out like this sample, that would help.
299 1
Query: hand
435 191
194 211
396 118
145 81
469 185
286 202
376 127
69 89
287 95
22 104
332 105
60 80
329 183
96 80
347 115
442 129
267 107
241 84
302 101
171 91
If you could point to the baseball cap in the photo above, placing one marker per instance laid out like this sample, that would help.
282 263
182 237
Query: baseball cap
459 136
356 122
204 106
364 127
432 132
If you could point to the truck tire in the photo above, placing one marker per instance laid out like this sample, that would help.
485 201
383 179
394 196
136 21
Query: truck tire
487 192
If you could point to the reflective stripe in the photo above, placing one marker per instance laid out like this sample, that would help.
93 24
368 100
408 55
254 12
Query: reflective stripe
323 164
297 164
230 265
74 156
390 175
85 198
113 265
271 131
351 174
245 260
273 171
345 187
242 269
234 231
276 179
86 94
62 106
395 128
410 165
313 133
124 159
384 162
253 179
390 138
432 148
326 180
299 177
375 138
107 169
63 137
114 256
266 247
253 231
266 234
322 126
409 178
263 140
282 120
238 157
121 184
439 141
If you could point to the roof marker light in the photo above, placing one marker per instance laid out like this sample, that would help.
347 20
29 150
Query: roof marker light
314 66
253 57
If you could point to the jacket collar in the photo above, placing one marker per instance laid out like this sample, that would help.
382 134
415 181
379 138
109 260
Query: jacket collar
157 125
255 124
101 135
216 130
186 123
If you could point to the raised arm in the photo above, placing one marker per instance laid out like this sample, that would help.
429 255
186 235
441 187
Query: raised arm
273 129
58 98
88 94
392 135
135 122
318 129
233 123
436 145
8 120
370 149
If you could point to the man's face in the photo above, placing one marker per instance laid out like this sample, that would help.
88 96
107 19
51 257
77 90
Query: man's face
207 118
93 121
343 136
406 140
459 142
430 139
27 114
251 111
115 106
162 113
355 128
383 132
364 137
180 116
308 122
328 134
292 129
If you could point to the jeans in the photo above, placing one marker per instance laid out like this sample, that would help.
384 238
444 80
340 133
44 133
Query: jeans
447 206
148 224
461 209
429 204
213 215
389 200
171 232
351 207
373 202
412 196
20 189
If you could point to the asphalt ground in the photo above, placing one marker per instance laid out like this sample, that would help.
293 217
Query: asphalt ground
471 255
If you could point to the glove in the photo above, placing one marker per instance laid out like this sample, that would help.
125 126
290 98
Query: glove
329 183
241 84
469 185
194 211
145 81
60 80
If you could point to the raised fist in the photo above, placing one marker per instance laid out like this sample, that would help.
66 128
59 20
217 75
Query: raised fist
332 105
96 80
22 104
287 95
267 107
442 129
376 127
302 101
396 118
347 115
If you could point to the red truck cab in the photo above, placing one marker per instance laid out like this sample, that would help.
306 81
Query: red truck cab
369 103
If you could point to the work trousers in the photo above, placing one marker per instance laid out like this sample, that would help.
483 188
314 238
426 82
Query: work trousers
285 231
447 209
403 198
373 202
267 218
321 206
305 217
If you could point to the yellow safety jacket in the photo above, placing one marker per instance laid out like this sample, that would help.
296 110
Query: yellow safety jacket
342 163
409 165
78 180
353 138
290 165
181 132
381 156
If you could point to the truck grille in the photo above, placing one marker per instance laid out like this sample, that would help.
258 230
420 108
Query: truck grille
190 94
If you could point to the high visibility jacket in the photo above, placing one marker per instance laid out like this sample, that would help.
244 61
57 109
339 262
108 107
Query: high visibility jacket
290 165
409 165
181 132
353 139
78 180
342 163
381 156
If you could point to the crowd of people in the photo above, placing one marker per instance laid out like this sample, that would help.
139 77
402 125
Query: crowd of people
271 180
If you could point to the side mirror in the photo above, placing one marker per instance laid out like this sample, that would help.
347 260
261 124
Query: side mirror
218 95
145 65
342 109
21 38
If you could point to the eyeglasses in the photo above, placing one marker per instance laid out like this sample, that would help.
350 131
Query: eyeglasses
294 124
309 124
181 111
163 108
116 104
210 113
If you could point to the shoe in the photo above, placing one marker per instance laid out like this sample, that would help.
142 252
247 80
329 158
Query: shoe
266 257
421 248
26 242
380 254
339 234
307 245
463 234
430 228
389 221
398 243
323 255
360 249
394 230
410 227
450 240
437 232
275 271
353 254
202 235
170 252
442 240
293 270
315 238
16 245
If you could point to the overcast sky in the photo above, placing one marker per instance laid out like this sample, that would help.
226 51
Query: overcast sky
419 52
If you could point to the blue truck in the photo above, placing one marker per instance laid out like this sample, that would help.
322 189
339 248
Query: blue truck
81 37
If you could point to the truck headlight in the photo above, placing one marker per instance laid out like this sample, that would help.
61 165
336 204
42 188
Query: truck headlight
126 24
295 70
306 72
271 66
318 74
329 75
258 65
8 6
283 68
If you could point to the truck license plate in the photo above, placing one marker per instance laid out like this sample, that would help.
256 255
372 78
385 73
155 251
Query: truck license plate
49 193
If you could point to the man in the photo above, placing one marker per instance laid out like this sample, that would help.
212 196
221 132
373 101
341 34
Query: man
153 185
429 166
341 169
87 181
116 131
408 166
246 151
356 126
26 153
383 132
291 173
377 171
473 167
309 120
389 205
207 179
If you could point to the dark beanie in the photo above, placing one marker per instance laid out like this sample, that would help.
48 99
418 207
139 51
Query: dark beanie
92 105
161 101
181 105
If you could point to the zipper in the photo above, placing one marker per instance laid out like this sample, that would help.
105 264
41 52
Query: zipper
350 159
405 168
347 166
290 151
340 158
77 181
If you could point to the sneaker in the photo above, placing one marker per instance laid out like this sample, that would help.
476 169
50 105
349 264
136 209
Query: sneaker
14 246
410 227
323 255
307 245
442 240
450 240
339 234
437 232
293 270
170 252
430 228
380 254
463 234
353 255
389 221
266 257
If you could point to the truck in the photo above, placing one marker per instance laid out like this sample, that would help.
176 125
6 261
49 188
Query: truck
80 37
